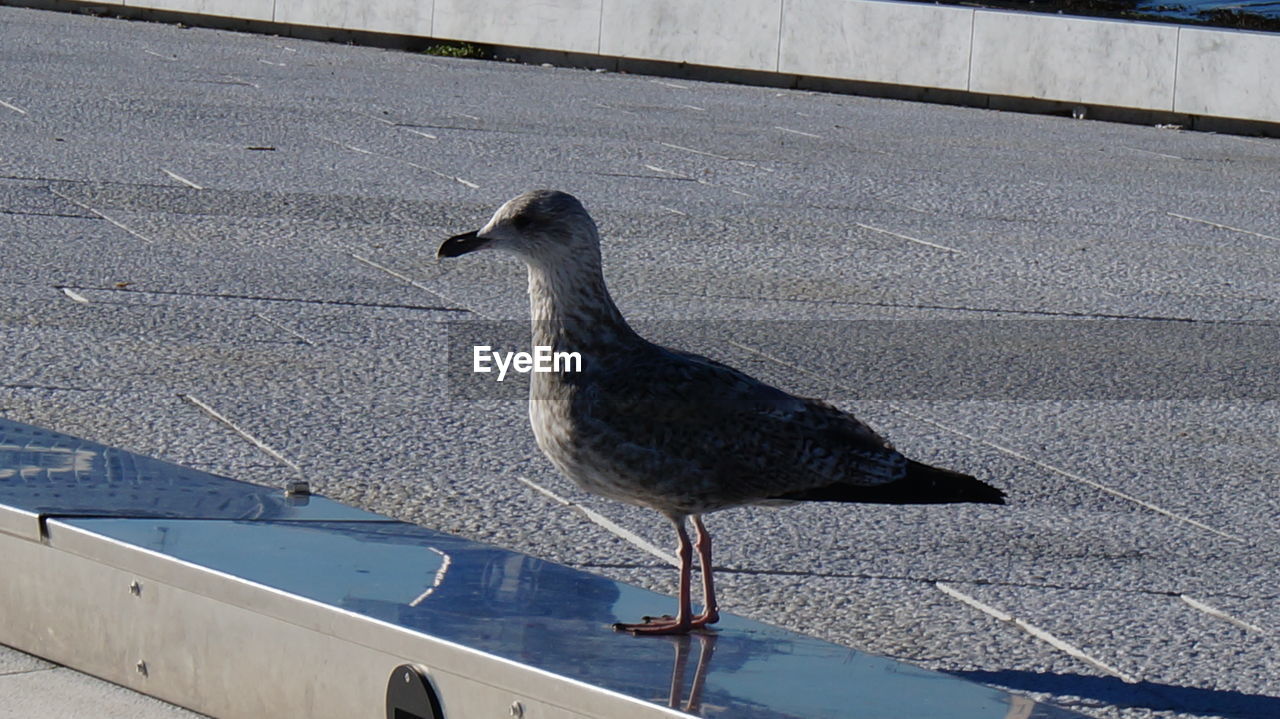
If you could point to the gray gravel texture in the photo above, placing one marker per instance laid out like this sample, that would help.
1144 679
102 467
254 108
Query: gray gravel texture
294 289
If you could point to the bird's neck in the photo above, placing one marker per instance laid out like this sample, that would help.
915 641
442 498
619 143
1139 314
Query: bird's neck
571 308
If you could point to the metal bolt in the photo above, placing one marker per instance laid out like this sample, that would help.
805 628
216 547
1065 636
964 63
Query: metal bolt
141 666
408 677
517 710
297 488
135 589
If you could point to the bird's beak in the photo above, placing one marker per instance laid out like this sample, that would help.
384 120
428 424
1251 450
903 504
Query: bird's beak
461 245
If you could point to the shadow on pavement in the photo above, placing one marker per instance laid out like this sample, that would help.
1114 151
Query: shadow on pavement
1148 695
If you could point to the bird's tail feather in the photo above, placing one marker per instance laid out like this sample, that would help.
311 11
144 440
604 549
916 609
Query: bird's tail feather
923 484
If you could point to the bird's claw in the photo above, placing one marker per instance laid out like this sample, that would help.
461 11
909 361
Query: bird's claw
666 624
670 626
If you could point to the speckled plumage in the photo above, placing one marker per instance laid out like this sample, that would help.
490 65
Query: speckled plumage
677 432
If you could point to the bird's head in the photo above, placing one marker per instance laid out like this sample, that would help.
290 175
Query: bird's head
540 227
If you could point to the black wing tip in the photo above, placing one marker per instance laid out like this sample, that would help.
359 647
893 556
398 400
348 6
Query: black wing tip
949 485
921 485
992 495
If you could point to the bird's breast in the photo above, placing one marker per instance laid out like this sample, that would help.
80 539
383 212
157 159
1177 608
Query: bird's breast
577 456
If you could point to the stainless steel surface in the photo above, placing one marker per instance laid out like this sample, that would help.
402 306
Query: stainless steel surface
545 616
47 473
245 606
235 663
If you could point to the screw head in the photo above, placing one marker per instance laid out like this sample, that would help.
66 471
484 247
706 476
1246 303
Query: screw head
135 588
517 710
141 666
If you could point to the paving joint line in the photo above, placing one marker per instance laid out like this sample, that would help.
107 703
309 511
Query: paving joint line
222 419
29 213
263 298
913 208
414 283
909 238
1070 475
672 173
280 326
1220 614
181 179
797 132
952 308
1152 152
1221 226
635 176
49 387
604 522
624 111
75 181
1044 636
744 163
234 80
104 216
410 163
684 178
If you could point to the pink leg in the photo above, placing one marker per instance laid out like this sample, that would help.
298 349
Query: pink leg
710 612
681 623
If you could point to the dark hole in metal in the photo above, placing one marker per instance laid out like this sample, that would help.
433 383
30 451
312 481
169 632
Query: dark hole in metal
410 696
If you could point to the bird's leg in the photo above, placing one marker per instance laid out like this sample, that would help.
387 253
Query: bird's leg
710 612
680 624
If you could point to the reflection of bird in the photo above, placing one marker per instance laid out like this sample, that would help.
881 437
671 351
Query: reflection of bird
673 431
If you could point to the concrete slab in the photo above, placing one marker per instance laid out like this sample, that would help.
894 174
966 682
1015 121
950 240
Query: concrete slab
693 31
243 9
400 17
902 43
569 25
1074 59
904 50
1225 72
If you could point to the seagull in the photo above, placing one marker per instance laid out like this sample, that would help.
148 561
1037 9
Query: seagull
674 431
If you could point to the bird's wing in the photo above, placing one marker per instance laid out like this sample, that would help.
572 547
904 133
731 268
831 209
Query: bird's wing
705 420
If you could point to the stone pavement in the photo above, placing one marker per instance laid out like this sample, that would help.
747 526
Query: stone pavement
250 221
